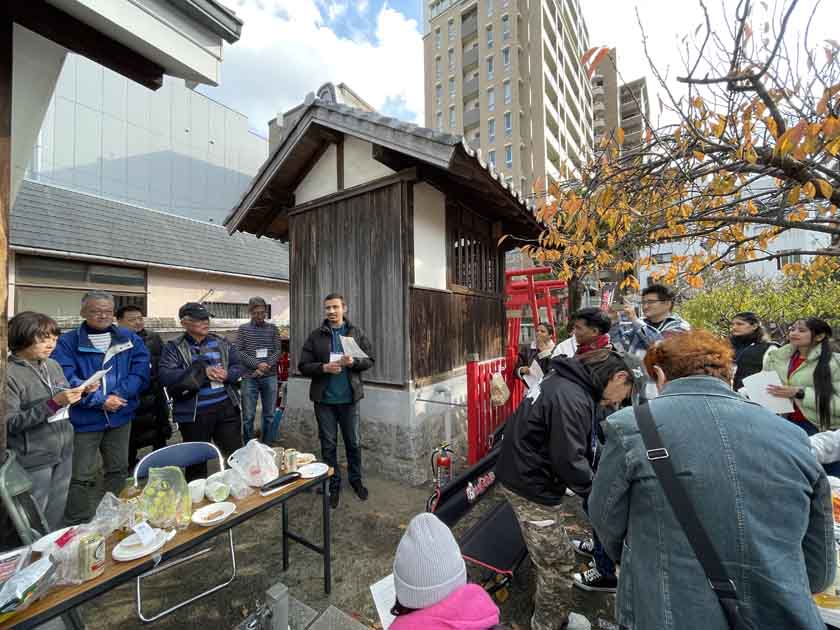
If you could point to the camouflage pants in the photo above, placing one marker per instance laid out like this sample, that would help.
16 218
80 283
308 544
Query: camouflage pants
553 557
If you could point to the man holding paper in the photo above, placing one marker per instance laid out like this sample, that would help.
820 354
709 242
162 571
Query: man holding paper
101 419
334 357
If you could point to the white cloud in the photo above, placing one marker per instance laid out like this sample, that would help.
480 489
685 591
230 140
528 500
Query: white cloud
287 51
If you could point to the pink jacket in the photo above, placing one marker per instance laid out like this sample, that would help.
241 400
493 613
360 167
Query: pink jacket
468 608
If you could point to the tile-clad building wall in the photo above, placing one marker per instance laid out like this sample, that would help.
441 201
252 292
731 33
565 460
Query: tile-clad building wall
173 150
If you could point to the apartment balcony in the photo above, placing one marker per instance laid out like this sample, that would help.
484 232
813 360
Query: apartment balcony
471 118
599 106
470 58
470 88
598 91
469 27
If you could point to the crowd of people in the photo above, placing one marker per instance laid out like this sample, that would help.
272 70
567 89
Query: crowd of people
61 424
756 482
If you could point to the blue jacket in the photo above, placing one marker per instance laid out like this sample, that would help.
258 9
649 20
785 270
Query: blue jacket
128 360
759 491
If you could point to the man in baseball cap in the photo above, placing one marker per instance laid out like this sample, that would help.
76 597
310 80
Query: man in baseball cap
210 410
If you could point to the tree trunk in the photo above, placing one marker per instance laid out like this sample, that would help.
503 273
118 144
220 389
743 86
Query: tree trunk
5 201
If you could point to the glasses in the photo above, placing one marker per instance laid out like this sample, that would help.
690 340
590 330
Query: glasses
101 313
648 302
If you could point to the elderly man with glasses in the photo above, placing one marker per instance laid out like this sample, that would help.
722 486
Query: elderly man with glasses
634 334
101 419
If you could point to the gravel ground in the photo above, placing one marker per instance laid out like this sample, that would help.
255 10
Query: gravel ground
365 536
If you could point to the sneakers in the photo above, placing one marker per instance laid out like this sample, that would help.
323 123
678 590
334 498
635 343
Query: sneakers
577 622
593 581
360 490
585 547
335 498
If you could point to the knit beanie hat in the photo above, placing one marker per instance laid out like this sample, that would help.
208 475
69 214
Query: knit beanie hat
428 566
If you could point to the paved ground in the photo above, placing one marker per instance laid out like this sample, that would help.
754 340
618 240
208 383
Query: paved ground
365 536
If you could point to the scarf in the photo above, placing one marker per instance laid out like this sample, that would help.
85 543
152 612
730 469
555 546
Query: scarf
602 341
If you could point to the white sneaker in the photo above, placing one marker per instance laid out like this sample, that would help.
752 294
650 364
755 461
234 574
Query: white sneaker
578 622
569 492
585 547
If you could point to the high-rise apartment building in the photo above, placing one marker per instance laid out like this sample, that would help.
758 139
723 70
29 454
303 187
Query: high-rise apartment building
635 110
618 105
507 75
605 97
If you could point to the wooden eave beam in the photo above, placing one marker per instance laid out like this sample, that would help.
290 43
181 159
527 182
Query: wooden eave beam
66 30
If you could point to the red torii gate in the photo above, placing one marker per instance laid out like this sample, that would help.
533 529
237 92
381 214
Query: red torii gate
533 293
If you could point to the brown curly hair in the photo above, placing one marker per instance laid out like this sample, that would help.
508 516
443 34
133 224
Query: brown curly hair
695 353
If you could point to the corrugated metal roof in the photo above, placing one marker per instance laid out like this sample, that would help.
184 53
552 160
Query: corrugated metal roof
52 218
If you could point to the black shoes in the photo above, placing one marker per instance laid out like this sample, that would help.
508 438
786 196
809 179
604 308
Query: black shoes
360 490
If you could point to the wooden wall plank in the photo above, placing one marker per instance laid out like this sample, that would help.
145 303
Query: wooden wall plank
353 246
445 327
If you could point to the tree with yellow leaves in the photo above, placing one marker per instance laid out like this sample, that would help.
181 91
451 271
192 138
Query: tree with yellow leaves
753 155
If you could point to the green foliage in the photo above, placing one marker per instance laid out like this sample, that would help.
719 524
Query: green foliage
778 303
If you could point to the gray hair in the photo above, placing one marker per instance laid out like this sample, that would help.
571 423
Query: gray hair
96 295
256 301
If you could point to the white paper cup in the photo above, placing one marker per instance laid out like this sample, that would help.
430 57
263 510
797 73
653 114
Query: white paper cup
197 490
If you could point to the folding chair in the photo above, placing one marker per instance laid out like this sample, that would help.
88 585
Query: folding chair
182 455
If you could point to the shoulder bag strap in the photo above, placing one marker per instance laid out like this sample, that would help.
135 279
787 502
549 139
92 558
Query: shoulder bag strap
680 503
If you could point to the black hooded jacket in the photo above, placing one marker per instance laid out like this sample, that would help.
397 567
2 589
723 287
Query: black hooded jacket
546 447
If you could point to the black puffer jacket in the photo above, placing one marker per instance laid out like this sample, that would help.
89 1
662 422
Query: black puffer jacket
316 352
749 357
547 440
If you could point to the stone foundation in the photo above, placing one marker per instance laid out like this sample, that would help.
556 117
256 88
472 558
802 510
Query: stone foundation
398 431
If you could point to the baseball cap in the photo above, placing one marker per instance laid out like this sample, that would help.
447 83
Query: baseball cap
195 310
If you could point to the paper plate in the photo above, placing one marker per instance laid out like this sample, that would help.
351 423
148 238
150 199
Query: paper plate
199 517
42 545
131 549
310 471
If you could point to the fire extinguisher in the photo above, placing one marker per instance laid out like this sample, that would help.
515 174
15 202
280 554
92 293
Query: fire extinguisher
442 465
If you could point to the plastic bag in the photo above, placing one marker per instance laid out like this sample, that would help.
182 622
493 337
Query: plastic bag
71 568
113 514
499 392
255 462
26 586
239 488
166 499
216 489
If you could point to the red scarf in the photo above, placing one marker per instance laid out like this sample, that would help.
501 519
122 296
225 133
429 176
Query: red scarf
602 341
795 361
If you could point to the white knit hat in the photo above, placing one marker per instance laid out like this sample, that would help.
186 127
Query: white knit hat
428 565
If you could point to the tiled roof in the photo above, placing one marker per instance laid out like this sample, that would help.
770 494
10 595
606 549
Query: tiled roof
50 218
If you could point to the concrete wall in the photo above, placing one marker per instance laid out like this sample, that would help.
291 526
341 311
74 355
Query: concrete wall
398 429
321 180
168 290
429 237
359 165
36 64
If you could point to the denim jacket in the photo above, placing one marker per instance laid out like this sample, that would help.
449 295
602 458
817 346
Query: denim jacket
760 493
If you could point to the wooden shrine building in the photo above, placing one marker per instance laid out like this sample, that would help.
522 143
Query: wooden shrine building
404 222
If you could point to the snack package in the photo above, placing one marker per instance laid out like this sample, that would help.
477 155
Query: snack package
255 462
166 499
79 554
499 392
26 586
113 514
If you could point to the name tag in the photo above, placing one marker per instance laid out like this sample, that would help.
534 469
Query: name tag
262 353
